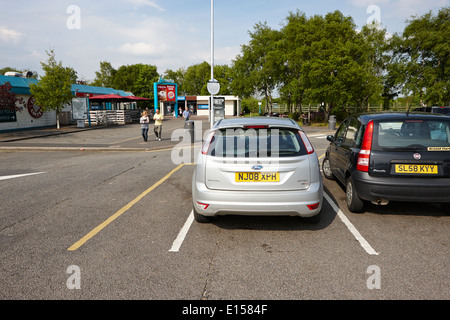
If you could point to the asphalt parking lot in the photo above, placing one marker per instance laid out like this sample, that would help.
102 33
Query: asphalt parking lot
99 214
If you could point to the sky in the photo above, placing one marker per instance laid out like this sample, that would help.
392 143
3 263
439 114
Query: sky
169 34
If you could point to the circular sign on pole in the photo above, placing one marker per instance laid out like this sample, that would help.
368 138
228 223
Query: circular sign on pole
213 86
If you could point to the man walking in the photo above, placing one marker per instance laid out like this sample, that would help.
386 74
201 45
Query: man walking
186 114
158 124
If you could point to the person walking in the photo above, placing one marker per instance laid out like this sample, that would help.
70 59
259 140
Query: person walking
144 120
158 117
186 114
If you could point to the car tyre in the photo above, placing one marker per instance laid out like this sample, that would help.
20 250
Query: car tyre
201 218
354 202
326 169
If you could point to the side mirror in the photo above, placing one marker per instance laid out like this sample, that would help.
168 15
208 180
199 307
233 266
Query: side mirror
330 138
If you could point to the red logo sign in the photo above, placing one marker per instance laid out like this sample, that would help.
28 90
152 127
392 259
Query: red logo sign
34 110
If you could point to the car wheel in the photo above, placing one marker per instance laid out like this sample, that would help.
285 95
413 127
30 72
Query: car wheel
354 202
327 169
201 218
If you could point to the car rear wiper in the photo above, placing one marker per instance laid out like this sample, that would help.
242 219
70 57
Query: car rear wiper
414 147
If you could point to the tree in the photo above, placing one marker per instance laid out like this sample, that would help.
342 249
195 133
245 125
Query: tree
196 79
136 78
335 72
421 57
325 60
54 90
320 59
104 77
178 77
295 39
222 73
257 70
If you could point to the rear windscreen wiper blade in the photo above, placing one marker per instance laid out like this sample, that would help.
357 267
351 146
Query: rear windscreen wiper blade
414 147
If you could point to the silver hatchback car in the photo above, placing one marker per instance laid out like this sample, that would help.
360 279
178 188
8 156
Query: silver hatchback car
257 166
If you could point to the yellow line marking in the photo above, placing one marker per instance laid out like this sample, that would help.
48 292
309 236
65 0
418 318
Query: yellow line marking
321 156
97 229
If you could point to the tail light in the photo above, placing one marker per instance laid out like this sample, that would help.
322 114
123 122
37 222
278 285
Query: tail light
306 142
364 153
256 127
204 205
207 142
313 206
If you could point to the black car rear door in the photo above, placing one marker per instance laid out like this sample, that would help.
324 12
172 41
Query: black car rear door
337 151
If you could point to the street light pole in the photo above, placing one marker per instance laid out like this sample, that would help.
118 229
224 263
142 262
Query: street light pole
212 39
211 107
213 85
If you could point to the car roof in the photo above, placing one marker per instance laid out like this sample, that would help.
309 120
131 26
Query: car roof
366 117
252 121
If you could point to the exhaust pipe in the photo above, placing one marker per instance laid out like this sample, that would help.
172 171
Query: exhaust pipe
381 202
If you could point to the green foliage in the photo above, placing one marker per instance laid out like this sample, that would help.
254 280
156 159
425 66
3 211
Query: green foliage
295 116
421 58
257 69
178 77
250 105
328 61
53 91
104 77
196 79
136 78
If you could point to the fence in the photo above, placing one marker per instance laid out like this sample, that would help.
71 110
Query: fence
108 117
370 108
350 109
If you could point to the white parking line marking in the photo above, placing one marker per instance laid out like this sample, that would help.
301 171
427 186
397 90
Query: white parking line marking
351 227
19 175
182 234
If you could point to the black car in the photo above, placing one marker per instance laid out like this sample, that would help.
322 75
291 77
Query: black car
382 157
443 110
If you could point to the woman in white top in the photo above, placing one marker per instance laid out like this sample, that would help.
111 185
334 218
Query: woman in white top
145 120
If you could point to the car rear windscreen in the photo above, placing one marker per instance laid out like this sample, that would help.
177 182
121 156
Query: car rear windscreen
249 143
413 134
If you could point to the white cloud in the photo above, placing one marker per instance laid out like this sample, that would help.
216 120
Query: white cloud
142 49
366 3
416 7
401 8
9 35
147 3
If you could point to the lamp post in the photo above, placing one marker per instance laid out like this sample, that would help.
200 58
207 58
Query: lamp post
213 85
212 39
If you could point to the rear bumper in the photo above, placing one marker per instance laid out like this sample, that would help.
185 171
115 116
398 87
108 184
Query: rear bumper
401 189
282 203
